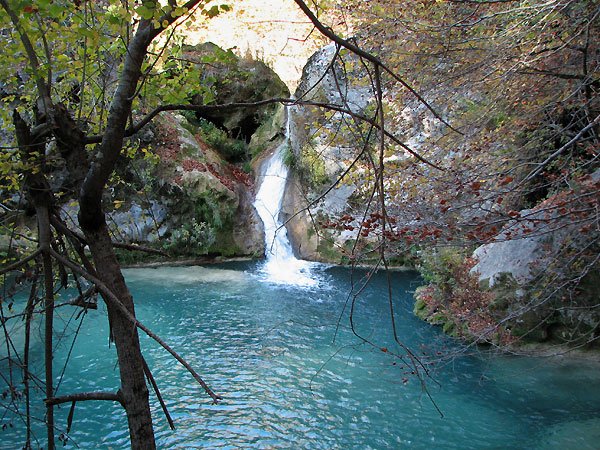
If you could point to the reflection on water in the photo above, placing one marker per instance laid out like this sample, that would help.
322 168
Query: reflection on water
268 350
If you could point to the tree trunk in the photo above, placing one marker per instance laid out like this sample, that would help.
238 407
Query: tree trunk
133 391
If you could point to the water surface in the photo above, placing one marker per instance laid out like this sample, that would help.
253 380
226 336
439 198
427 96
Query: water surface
268 350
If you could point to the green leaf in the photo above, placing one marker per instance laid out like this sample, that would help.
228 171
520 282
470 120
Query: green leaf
212 12
56 10
144 12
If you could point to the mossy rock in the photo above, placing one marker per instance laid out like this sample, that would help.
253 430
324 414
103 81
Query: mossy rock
420 307
236 80
450 328
270 134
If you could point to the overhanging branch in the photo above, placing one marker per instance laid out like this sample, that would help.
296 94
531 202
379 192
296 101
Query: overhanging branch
188 107
286 101
329 33
84 396
20 263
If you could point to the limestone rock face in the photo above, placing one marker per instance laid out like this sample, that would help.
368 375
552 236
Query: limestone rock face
316 162
180 196
527 245
522 256
300 228
209 191
532 268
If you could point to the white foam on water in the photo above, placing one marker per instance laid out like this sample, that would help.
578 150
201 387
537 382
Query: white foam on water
183 275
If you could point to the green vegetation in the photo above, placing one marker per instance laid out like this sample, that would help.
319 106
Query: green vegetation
454 300
493 136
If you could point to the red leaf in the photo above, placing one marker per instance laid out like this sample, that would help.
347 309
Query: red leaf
475 185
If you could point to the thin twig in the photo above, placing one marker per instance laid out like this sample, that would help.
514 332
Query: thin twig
108 296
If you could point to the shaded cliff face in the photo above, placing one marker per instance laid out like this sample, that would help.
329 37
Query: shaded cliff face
228 78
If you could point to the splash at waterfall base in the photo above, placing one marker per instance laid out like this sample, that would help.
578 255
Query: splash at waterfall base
281 266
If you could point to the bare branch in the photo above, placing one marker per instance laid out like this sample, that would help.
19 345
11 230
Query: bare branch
328 32
110 297
544 163
84 396
20 263
158 394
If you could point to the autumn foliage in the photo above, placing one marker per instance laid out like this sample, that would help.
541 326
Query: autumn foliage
455 300
503 110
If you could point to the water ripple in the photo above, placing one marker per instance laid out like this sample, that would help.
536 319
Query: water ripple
268 351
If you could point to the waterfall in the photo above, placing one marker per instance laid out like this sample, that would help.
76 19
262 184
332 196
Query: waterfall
281 265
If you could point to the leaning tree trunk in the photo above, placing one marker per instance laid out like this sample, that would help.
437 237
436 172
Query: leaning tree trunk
89 180
133 391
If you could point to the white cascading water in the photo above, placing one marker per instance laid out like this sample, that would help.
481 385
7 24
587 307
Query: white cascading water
281 265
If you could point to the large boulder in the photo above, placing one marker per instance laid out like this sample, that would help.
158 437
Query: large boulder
228 78
541 270
211 195
178 195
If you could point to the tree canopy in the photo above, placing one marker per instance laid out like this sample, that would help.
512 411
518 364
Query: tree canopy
505 127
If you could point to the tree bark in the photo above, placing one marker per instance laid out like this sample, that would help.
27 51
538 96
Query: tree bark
89 180
133 391
44 233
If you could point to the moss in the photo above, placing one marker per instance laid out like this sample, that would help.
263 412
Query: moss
269 134
311 167
420 304
191 123
403 260
225 246
230 149
289 158
450 329
439 318
328 252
